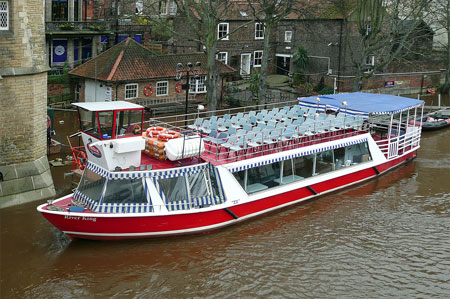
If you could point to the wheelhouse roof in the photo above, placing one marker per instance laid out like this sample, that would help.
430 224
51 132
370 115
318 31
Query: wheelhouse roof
361 103
108 106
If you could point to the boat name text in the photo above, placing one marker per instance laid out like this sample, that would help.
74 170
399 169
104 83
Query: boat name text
93 219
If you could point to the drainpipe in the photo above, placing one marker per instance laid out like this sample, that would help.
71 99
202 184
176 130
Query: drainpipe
339 56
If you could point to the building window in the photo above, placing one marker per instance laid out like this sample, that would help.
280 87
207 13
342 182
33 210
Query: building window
163 7
257 58
222 31
259 31
162 88
59 10
131 91
173 8
198 85
287 36
222 56
370 60
4 15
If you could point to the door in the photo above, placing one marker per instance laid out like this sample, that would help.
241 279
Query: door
245 64
283 65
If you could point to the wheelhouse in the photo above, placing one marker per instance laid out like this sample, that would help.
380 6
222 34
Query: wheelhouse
110 120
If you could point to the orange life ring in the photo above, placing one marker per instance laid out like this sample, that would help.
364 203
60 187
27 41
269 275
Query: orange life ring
80 163
431 91
168 136
148 90
179 87
155 131
136 129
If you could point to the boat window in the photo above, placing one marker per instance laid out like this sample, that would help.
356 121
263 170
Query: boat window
88 122
263 177
357 153
339 158
91 185
289 175
128 123
197 184
303 166
174 189
106 123
324 162
214 184
125 191
240 177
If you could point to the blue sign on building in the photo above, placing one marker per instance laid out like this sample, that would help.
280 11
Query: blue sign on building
59 51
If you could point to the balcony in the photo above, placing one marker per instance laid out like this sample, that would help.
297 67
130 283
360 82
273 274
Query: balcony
88 27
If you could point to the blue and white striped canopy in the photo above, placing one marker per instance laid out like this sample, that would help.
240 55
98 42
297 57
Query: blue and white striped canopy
361 103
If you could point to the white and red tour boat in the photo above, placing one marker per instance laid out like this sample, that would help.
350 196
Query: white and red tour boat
195 173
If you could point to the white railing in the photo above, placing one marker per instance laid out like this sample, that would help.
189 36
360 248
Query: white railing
396 146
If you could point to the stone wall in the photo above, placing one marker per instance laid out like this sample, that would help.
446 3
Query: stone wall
23 133
24 170
25 182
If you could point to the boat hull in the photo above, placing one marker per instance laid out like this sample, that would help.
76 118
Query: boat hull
100 226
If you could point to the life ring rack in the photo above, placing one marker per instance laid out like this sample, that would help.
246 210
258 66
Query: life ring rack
148 90
179 87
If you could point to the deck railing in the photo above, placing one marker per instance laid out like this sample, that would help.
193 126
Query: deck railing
275 133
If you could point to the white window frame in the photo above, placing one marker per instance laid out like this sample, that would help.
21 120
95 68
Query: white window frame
288 36
173 8
259 32
226 33
259 58
223 60
129 88
370 60
159 88
163 9
195 86
5 12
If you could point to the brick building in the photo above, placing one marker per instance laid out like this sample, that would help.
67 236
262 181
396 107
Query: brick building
24 169
129 71
77 30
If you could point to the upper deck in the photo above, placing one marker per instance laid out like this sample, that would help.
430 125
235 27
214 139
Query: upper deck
243 133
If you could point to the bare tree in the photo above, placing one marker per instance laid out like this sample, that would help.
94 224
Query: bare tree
378 32
268 13
202 20
440 20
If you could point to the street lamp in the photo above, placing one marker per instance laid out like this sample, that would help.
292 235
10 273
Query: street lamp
344 103
189 70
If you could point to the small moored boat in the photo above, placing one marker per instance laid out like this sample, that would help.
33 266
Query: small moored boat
229 166
434 121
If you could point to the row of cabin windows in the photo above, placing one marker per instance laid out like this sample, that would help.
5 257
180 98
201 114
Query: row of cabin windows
127 191
162 88
223 31
296 169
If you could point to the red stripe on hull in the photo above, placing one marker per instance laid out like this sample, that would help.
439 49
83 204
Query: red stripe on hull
154 226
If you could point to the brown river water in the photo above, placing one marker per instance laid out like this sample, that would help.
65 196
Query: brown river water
389 237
